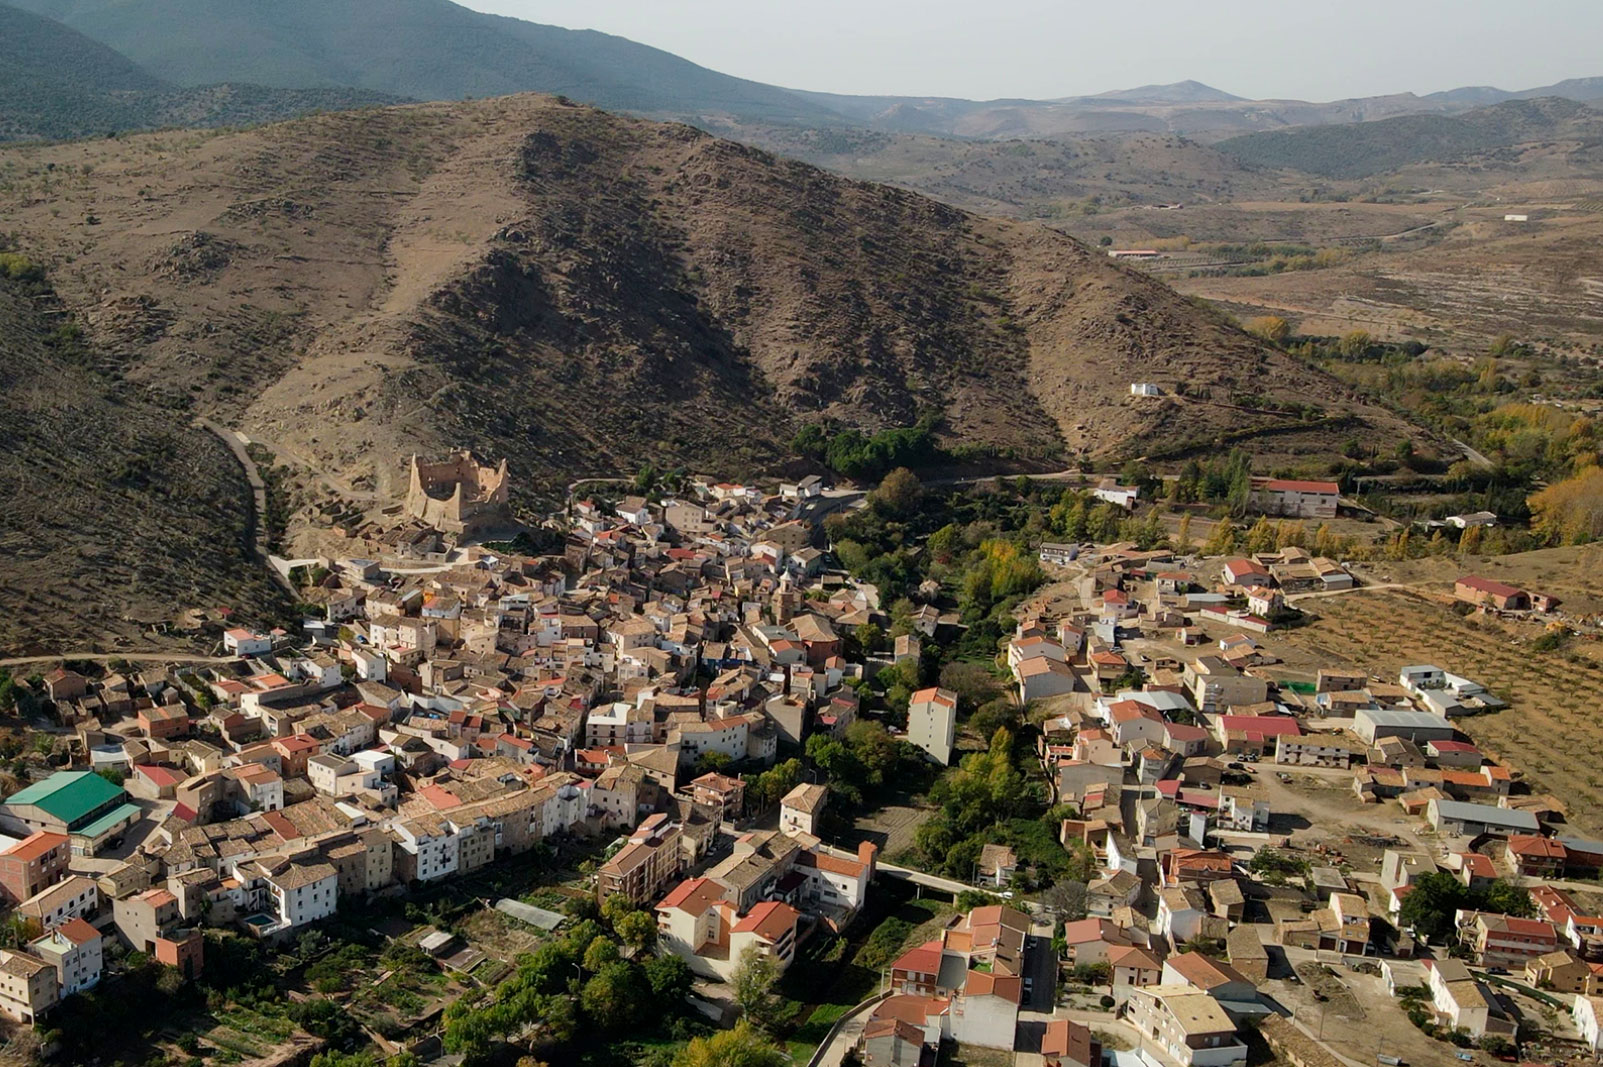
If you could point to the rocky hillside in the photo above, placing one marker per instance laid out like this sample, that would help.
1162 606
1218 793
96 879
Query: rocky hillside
117 512
586 293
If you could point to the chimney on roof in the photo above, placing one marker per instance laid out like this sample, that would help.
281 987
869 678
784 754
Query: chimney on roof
865 855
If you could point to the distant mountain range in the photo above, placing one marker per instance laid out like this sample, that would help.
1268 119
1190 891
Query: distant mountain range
1362 150
437 50
423 49
58 84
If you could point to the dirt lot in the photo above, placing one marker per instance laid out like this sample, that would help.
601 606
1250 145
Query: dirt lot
1550 731
891 828
1358 1019
1318 810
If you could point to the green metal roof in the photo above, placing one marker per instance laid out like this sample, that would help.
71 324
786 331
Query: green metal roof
116 815
68 795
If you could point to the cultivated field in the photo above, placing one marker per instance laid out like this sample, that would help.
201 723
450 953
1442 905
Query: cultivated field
1552 730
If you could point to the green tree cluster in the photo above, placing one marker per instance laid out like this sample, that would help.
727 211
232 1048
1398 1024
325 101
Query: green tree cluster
538 999
989 799
856 455
1433 899
863 762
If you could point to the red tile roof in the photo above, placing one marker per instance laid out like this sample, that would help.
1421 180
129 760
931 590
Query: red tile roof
78 931
36 845
1486 585
770 920
1292 485
1262 725
693 896
159 776
925 959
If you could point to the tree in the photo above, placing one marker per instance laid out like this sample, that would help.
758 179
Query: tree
753 985
1221 541
1261 538
618 991
1354 344
1430 905
972 682
1469 542
669 977
870 637
637 930
1570 511
1505 898
768 787
712 760
1066 900
898 494
365 1058
1182 537
741 1047
1271 328
602 952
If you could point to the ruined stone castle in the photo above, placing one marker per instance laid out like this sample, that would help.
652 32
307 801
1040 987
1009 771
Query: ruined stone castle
458 495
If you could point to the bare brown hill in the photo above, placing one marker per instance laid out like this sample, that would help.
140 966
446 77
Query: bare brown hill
585 293
118 513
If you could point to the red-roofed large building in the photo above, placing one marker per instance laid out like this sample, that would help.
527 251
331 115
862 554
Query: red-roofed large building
697 923
1472 589
1254 734
75 949
1181 865
1504 941
971 977
1295 499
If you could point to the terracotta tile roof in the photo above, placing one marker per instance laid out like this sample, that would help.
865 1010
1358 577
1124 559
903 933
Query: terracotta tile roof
1487 585
770 920
983 983
925 959
1291 485
78 931
36 845
693 896
1533 847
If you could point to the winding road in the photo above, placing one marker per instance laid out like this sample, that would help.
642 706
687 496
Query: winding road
236 443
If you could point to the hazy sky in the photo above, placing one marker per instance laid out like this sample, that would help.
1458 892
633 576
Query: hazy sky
983 49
